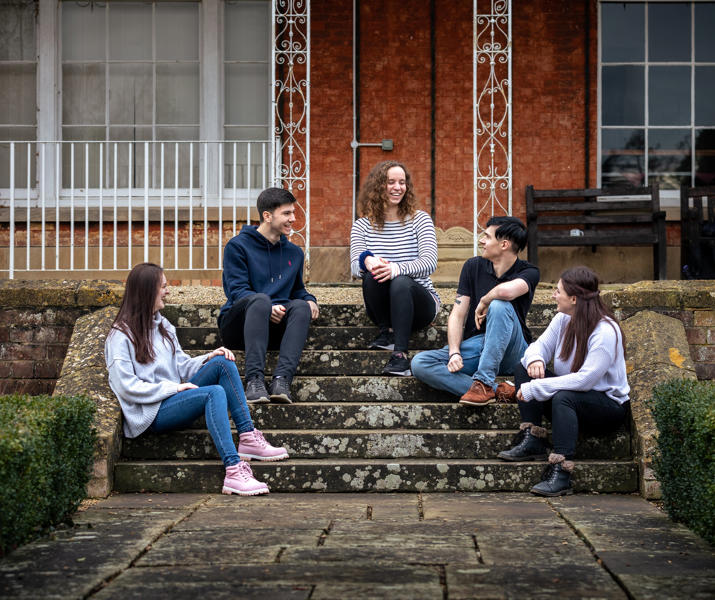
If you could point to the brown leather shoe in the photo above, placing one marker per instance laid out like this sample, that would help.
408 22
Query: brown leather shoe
506 392
478 394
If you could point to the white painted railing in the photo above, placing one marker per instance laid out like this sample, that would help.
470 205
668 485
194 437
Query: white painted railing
72 206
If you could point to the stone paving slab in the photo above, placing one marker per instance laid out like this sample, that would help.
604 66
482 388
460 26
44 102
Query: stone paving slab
295 546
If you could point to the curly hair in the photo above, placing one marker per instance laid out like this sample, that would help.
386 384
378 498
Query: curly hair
373 195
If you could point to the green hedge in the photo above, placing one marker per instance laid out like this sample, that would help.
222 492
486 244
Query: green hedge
684 411
46 447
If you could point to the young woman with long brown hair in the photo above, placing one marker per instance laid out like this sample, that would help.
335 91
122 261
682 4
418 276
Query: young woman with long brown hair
161 388
588 389
393 248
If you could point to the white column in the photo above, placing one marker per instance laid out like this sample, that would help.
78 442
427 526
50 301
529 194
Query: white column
49 98
211 90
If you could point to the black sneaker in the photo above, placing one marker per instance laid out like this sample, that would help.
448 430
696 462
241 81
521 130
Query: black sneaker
398 364
256 392
384 341
280 390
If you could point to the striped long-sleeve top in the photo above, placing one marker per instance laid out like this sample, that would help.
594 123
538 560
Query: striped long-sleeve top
410 246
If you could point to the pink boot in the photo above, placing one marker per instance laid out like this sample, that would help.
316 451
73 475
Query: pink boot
239 480
252 444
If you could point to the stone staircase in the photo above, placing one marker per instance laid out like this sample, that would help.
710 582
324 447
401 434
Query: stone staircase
352 429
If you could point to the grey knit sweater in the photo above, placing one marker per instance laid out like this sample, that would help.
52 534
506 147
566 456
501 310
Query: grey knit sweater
142 388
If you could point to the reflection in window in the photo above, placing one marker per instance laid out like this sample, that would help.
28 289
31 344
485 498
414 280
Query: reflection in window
657 118
130 72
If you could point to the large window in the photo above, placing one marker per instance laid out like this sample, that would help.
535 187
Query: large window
18 72
657 84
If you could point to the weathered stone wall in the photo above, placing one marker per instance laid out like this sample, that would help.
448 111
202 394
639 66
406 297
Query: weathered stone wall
37 318
36 323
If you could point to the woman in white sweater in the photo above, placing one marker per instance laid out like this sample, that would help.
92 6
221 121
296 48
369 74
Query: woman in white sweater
393 248
161 388
587 390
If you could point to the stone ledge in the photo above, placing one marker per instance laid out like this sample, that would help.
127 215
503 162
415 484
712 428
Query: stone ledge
47 292
657 350
84 372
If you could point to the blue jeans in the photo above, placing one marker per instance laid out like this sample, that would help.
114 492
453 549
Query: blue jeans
220 391
484 356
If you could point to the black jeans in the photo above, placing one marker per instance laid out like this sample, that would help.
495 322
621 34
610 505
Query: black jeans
247 325
400 303
592 411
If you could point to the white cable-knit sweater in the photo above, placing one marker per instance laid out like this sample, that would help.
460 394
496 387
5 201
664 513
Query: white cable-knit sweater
603 370
141 388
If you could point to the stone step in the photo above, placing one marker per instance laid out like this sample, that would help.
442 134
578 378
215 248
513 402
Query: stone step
326 362
196 444
365 388
332 315
324 415
347 475
320 338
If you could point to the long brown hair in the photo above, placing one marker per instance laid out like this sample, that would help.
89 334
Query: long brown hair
373 195
589 311
136 313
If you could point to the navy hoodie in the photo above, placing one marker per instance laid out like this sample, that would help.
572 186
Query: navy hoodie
252 265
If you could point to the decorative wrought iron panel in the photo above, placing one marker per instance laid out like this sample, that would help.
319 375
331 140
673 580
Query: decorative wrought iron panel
491 111
291 108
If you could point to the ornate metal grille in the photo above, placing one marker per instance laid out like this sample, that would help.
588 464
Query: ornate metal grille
290 120
492 111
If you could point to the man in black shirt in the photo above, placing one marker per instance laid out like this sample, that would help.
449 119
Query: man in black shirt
486 330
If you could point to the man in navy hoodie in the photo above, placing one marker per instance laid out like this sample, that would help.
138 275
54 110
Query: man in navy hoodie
267 302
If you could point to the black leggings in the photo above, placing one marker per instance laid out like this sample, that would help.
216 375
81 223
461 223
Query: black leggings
400 303
247 325
567 410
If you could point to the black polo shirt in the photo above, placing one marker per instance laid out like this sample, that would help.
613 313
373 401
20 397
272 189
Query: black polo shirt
478 278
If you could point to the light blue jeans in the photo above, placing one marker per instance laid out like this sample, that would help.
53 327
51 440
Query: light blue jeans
485 356
220 391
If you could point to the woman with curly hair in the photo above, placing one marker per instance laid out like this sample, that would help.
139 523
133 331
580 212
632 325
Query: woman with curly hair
588 389
393 248
161 388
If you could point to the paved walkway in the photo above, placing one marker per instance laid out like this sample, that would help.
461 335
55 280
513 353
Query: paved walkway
318 546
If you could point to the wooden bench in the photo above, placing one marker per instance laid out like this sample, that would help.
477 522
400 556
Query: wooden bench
579 218
697 232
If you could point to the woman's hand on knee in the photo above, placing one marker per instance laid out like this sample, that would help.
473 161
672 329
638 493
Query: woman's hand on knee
536 370
185 386
225 352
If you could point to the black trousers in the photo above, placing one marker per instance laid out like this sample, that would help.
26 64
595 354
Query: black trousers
247 326
400 303
592 412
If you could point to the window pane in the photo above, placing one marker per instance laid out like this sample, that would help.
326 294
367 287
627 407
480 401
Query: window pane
130 94
254 132
623 32
705 157
83 31
17 40
82 152
184 155
15 134
705 95
246 94
622 156
135 176
704 38
177 31
669 95
18 93
247 31
669 32
177 94
623 95
130 33
669 152
83 90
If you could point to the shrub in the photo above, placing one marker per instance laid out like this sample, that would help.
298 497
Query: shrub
684 412
46 447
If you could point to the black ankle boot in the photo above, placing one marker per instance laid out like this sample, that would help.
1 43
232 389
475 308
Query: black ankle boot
556 481
526 447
